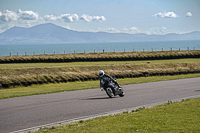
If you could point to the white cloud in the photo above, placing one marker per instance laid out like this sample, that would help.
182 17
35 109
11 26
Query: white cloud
112 30
132 30
7 16
27 15
30 18
109 30
86 17
166 15
189 14
69 17
160 31
6 26
21 16
125 29
51 18
150 31
157 31
99 18
89 18
74 17
64 17
67 27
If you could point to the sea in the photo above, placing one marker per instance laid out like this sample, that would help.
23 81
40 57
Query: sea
38 49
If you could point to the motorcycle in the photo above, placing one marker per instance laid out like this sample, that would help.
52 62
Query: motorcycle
111 88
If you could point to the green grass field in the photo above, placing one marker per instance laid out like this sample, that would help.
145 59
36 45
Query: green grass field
72 86
179 117
99 63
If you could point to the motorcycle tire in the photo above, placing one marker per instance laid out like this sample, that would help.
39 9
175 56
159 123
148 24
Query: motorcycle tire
122 93
110 92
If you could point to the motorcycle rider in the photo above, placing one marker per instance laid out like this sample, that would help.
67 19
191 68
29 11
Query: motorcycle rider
102 75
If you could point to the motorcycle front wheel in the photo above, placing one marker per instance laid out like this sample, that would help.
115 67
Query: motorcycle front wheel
122 93
110 92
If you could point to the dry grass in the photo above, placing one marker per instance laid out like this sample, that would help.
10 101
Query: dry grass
45 72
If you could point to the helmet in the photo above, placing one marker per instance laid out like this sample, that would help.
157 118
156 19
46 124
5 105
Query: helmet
101 73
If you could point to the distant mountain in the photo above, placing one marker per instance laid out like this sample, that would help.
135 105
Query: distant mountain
50 33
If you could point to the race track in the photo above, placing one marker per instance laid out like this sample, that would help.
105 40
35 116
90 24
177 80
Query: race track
31 111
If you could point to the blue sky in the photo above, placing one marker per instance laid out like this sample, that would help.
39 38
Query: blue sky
115 16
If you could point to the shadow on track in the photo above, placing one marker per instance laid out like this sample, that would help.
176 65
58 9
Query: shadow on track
98 98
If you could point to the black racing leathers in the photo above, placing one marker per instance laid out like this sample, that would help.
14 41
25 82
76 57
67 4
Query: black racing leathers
105 76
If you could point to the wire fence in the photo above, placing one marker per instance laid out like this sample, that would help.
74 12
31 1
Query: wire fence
95 51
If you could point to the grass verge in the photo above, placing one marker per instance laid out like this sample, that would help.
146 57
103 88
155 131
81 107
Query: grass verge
71 86
105 56
32 73
170 117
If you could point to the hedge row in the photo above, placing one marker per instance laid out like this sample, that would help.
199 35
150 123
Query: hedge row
112 56
143 74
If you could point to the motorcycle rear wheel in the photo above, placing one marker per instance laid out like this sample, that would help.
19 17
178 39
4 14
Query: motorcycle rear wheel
110 92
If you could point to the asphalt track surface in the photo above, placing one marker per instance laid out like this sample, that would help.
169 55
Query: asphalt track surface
31 111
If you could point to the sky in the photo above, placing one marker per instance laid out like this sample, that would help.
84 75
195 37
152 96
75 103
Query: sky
114 16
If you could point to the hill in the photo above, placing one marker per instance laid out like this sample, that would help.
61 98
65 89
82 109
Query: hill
50 33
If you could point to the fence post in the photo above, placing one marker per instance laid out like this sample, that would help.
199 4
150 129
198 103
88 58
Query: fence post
103 50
